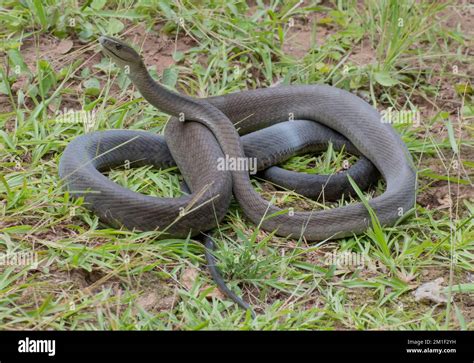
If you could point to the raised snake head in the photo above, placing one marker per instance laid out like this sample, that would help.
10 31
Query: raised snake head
121 53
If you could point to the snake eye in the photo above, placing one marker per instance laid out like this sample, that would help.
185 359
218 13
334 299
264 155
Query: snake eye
118 46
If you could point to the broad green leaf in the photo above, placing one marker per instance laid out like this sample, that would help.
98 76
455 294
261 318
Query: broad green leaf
178 56
39 9
170 77
115 26
98 4
92 86
452 138
384 79
17 60
463 89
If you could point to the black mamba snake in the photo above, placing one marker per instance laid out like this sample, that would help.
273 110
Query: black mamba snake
198 147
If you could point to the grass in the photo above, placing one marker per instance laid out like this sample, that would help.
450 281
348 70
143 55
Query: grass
91 276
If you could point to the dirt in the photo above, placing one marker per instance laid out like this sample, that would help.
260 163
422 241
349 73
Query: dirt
444 197
154 294
440 194
59 53
5 106
47 47
188 279
462 15
363 54
307 32
311 31
157 51
157 48
73 286
445 72
464 301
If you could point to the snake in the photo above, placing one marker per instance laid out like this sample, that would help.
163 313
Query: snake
213 141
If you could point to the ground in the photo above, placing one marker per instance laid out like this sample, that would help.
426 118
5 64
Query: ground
82 274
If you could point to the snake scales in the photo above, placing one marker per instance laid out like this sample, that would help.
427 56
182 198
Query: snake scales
261 118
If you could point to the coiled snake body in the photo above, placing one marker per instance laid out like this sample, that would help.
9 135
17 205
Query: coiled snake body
197 148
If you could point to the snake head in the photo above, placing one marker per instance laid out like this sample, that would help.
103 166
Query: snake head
121 53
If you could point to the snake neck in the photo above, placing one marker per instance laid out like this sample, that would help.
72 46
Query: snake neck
162 98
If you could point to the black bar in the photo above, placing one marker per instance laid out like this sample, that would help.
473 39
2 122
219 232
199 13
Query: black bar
139 346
